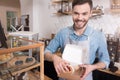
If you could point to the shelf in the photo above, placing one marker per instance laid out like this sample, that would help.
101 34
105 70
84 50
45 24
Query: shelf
66 9
63 13
59 1
15 71
19 48
67 13
95 13
115 10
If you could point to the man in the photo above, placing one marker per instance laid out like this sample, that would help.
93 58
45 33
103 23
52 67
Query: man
82 10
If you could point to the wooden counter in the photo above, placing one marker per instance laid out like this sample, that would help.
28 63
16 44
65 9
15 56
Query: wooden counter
117 73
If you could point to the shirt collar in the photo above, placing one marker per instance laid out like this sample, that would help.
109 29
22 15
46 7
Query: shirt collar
87 31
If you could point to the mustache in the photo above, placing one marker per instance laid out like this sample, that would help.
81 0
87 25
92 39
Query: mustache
80 20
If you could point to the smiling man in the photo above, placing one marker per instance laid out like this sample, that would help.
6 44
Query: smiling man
79 31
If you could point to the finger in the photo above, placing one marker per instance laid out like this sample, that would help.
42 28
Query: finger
69 68
57 70
81 75
66 66
83 72
81 66
62 68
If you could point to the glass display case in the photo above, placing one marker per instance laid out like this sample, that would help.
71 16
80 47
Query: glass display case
15 59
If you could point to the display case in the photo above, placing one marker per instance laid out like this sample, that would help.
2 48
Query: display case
15 59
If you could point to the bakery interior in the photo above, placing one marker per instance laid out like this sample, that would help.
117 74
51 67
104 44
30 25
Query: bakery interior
27 27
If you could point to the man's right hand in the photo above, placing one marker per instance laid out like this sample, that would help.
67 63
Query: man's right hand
60 65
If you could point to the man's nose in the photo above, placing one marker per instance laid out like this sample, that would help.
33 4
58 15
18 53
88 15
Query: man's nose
80 17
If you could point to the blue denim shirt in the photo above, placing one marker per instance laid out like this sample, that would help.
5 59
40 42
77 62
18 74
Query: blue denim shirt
97 43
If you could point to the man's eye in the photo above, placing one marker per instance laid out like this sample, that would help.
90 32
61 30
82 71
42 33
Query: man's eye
75 13
84 13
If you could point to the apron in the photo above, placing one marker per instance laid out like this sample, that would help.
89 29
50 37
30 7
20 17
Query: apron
84 44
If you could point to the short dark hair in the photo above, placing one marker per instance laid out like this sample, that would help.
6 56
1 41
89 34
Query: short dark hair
79 2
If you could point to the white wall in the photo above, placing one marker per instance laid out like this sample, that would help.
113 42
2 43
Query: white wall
109 22
51 23
27 9
41 18
45 22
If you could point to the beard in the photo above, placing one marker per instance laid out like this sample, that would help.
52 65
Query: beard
80 24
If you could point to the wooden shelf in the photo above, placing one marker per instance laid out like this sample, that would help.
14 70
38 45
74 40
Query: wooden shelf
67 13
63 13
115 10
59 1
95 13
26 69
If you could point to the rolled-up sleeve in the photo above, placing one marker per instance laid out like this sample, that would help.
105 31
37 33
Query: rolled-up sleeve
103 54
54 44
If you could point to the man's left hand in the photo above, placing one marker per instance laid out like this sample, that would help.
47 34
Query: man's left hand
86 69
